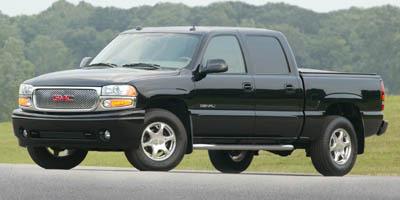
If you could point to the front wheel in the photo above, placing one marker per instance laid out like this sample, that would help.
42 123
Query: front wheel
162 143
230 161
56 158
335 152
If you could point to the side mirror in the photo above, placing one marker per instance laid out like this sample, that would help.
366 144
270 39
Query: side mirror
85 62
214 66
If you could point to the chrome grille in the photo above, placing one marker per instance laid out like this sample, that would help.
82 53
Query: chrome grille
78 99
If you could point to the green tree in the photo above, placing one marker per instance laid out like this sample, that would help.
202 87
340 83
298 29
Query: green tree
49 55
14 69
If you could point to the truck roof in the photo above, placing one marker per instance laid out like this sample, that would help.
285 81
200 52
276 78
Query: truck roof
201 29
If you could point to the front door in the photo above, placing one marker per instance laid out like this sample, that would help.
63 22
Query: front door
223 104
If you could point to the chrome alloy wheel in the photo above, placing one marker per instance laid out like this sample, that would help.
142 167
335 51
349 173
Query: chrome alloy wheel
58 153
158 141
237 156
340 146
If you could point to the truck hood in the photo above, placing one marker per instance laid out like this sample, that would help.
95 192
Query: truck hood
97 76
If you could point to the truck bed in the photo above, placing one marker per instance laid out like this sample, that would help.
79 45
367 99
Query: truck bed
317 71
324 88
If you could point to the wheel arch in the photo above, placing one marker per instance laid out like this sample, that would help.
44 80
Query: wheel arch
351 112
180 109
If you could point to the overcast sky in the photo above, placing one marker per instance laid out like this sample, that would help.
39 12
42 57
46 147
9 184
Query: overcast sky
28 7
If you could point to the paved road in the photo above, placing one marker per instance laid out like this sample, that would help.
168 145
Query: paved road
31 182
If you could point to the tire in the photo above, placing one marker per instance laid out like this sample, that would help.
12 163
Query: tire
323 151
225 162
43 157
142 157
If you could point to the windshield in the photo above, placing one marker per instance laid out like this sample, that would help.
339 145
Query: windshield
167 50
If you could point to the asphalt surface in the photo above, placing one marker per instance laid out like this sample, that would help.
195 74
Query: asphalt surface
31 182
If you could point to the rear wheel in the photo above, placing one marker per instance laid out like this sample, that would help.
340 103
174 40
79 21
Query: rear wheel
56 158
230 161
335 152
162 143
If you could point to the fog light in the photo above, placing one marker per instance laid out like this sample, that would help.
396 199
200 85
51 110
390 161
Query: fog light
107 135
25 133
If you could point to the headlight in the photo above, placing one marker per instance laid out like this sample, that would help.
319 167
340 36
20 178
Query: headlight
119 90
25 89
118 96
25 95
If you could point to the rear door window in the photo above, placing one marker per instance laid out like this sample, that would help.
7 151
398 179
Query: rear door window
266 55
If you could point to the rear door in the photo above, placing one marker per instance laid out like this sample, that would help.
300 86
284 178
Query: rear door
278 91
223 102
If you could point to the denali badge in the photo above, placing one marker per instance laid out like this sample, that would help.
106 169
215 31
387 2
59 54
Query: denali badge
62 98
207 106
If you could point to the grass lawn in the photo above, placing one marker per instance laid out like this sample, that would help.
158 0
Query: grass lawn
381 157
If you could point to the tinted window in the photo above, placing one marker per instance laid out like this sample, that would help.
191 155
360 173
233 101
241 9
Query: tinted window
227 48
266 55
165 49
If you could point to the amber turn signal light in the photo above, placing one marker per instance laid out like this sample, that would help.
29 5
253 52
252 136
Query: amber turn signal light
117 103
132 91
24 101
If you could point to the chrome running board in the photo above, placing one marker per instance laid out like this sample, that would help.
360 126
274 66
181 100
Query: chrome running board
248 147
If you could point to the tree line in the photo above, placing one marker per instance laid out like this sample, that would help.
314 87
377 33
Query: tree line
353 40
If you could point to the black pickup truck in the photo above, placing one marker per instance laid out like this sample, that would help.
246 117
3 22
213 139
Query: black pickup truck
158 93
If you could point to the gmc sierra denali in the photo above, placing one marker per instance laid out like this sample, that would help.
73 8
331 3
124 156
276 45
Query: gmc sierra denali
158 93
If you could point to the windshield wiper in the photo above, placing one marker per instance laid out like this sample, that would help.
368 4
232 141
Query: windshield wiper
143 65
104 64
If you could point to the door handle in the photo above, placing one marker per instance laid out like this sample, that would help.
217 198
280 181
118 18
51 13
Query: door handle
247 86
289 88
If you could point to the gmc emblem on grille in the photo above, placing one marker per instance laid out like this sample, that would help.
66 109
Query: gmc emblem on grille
62 98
